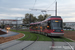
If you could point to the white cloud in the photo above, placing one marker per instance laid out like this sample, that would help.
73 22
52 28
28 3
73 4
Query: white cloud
11 15
19 9
69 19
67 14
66 8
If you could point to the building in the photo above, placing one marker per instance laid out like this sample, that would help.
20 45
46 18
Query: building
11 22
69 24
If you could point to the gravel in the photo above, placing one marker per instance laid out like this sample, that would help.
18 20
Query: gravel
6 39
69 34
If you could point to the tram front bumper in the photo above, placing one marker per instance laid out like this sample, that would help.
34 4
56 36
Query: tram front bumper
56 34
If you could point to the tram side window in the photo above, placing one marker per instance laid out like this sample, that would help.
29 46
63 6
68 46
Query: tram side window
34 27
44 25
31 26
38 26
49 25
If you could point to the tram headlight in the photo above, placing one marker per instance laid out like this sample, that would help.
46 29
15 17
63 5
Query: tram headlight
8 28
47 26
36 27
40 27
53 30
61 30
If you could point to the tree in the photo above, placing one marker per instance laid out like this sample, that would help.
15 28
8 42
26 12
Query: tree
40 18
33 18
43 17
46 15
29 18
26 19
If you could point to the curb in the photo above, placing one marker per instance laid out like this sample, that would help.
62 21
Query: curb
21 37
13 40
71 39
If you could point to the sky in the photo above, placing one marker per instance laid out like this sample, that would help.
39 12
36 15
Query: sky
10 9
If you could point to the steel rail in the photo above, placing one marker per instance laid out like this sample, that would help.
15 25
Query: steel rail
68 44
52 43
15 43
30 43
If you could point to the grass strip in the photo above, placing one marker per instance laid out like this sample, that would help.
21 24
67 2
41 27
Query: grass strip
68 40
33 36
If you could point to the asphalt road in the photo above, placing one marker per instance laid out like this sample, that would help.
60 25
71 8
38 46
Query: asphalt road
39 45
9 33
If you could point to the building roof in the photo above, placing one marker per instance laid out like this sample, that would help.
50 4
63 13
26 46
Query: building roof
69 22
9 20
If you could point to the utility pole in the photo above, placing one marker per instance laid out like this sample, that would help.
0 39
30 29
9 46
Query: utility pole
29 18
16 24
56 8
3 25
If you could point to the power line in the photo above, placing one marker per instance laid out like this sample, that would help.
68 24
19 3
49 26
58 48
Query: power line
30 12
33 6
34 3
42 9
51 4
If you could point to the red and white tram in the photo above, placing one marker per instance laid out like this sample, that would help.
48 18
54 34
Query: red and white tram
52 26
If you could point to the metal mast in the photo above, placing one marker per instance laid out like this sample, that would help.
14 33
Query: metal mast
56 8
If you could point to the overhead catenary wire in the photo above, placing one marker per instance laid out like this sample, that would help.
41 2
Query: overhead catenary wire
43 11
34 4
30 12
32 7
55 7
50 5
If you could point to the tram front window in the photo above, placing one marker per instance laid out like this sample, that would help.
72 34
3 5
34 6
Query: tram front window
56 24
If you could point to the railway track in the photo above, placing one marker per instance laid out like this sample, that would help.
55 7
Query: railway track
37 37
15 43
52 43
7 48
30 43
67 44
